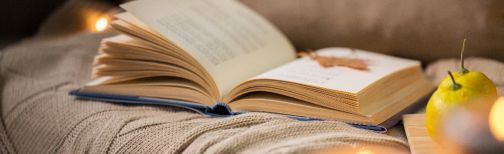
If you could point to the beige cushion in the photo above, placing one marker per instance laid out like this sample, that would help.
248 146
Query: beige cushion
425 30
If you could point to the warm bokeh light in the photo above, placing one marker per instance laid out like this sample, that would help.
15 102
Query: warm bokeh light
497 119
365 151
101 24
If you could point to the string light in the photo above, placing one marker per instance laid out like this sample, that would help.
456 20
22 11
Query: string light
495 121
101 24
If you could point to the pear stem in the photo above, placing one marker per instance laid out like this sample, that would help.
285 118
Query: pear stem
455 85
463 69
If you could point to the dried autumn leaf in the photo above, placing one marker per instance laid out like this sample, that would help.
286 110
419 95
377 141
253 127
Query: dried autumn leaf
326 61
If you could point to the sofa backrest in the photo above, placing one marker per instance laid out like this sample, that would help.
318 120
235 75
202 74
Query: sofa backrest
425 30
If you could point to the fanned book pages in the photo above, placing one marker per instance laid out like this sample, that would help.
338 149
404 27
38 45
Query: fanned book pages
218 57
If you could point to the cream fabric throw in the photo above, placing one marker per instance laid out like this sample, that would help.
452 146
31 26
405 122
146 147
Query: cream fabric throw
39 116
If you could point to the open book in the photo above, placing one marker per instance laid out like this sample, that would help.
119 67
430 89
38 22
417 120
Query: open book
211 55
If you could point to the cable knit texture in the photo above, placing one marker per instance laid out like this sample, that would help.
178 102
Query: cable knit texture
40 117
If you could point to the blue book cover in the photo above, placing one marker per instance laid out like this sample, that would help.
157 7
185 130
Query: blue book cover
222 110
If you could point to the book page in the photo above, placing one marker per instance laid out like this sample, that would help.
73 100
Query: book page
125 16
310 72
231 41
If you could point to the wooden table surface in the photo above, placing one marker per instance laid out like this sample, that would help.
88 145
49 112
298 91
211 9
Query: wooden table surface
419 140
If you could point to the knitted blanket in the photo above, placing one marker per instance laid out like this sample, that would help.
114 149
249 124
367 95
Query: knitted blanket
40 117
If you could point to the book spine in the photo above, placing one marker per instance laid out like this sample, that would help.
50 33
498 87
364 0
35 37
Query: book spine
220 109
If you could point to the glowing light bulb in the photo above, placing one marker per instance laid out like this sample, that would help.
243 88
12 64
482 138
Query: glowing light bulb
496 122
101 24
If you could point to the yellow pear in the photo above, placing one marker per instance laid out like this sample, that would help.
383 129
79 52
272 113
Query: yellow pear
459 89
